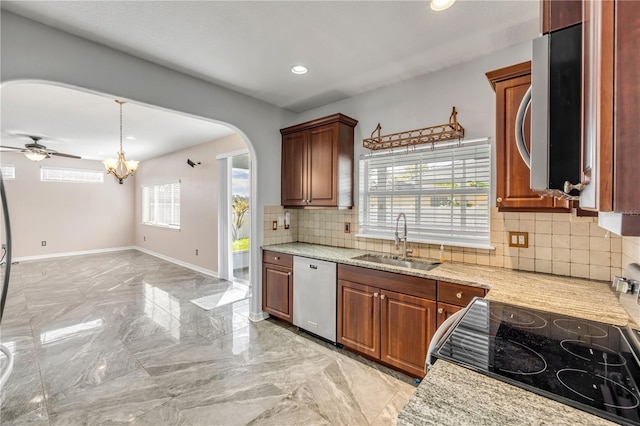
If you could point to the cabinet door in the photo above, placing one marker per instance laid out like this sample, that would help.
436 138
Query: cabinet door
277 291
559 14
512 174
359 317
445 310
322 189
627 110
294 169
407 325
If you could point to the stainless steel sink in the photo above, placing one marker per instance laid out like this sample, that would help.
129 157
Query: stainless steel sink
424 265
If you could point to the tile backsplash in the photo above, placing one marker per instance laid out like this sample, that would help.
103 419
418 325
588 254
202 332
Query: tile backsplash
559 243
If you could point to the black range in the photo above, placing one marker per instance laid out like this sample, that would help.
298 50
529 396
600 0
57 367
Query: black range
589 365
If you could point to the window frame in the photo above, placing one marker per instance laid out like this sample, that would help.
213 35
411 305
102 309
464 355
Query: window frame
11 167
432 231
156 205
94 172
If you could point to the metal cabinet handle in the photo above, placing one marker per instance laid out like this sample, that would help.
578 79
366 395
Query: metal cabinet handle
440 310
383 296
375 294
459 295
276 258
289 274
499 199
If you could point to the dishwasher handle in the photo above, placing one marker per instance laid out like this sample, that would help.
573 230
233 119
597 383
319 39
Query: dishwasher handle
441 331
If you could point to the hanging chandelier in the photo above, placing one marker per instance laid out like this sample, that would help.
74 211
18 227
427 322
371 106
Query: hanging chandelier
119 167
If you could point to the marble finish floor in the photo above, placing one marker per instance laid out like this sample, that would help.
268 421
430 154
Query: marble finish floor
113 339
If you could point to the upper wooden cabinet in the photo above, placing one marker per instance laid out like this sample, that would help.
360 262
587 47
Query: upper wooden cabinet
317 163
559 14
611 111
513 191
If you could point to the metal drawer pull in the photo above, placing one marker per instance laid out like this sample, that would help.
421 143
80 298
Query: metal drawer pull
383 296
459 295
375 294
440 310
276 258
313 267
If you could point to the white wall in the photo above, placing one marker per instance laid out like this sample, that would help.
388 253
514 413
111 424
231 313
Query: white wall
70 217
198 202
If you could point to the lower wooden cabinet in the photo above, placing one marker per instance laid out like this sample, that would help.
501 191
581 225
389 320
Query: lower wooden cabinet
407 325
392 327
445 310
277 285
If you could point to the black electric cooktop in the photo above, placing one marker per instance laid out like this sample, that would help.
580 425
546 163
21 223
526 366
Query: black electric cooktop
588 365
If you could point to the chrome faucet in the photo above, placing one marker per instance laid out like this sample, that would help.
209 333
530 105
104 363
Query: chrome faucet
405 251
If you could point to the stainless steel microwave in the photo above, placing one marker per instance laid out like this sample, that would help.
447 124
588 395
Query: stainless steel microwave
555 102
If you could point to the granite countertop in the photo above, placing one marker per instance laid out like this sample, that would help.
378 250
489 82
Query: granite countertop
564 295
453 395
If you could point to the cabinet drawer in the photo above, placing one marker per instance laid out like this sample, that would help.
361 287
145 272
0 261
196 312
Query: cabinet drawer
457 294
276 258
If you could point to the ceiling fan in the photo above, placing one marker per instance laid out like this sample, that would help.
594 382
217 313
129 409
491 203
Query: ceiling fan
36 151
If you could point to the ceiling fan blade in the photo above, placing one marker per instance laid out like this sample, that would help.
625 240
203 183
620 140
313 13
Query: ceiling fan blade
11 147
60 154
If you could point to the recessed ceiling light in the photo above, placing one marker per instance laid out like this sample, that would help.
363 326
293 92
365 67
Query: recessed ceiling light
131 138
439 5
299 69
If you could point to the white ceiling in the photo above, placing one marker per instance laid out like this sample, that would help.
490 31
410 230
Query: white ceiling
350 47
88 125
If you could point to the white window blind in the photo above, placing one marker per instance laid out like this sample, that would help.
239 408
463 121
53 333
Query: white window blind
57 174
444 192
8 171
161 205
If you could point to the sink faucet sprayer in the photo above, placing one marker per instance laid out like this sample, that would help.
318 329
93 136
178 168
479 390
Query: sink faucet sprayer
405 251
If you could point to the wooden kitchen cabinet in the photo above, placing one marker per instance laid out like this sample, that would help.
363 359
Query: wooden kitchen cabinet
445 310
277 285
452 297
317 163
386 316
610 150
513 191
406 326
559 14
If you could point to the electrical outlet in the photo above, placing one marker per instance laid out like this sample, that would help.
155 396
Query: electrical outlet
347 227
144 238
4 246
519 239
44 244
275 225
196 252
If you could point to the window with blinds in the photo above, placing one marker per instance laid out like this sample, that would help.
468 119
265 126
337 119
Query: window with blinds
59 174
161 205
444 192
8 171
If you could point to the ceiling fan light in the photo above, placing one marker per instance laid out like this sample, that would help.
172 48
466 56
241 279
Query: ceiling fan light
440 5
35 156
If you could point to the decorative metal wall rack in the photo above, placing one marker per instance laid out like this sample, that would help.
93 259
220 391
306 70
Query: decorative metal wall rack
443 132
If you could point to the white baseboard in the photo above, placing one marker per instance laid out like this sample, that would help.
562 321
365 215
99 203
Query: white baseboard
70 253
179 262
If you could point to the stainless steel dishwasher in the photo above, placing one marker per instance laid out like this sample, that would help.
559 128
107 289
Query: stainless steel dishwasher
314 296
